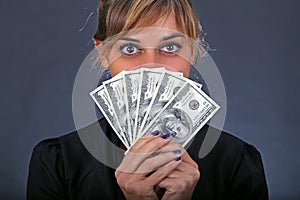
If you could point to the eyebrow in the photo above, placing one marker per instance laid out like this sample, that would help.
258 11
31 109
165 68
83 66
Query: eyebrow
175 35
129 39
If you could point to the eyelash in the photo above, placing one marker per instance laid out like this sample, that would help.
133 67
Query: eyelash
138 50
177 47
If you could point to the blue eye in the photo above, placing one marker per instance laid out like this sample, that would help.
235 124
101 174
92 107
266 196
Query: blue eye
129 49
170 48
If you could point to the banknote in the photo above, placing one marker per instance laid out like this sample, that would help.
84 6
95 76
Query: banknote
168 85
102 101
184 115
115 90
149 82
132 83
140 101
199 85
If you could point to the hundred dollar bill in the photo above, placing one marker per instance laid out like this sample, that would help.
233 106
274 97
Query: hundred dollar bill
149 82
174 73
199 85
132 84
102 101
184 115
115 90
168 85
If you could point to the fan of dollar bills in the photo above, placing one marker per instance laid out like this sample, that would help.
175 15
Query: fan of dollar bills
148 99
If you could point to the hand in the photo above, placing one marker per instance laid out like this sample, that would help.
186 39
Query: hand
181 182
136 174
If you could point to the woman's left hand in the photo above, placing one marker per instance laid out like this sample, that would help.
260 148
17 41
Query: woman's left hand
181 183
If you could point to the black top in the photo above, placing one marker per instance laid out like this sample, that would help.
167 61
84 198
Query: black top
62 168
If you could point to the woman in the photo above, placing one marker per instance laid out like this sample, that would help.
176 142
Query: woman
134 33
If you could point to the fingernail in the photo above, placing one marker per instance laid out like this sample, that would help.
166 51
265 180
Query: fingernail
155 133
178 159
166 136
177 151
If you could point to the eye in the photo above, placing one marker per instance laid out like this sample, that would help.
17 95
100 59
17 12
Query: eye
129 49
170 48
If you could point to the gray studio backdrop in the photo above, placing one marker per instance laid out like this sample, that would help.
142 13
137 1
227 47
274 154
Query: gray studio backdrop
256 48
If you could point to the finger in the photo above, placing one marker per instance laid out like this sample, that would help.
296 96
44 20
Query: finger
154 143
172 186
171 146
153 179
143 140
185 157
141 151
162 172
158 161
178 188
186 167
169 194
188 176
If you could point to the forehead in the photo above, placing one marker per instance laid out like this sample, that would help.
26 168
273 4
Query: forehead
155 29
166 22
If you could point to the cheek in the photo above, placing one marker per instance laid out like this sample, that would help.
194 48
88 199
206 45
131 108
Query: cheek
122 64
171 63
179 65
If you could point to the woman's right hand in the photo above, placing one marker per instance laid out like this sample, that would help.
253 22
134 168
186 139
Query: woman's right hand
141 170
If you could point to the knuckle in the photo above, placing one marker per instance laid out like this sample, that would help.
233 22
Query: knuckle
196 165
190 181
144 139
117 173
160 172
143 191
196 174
158 142
133 149
121 181
137 189
148 163
193 178
136 147
176 146
130 187
180 186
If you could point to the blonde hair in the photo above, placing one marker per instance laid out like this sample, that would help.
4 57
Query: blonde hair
116 16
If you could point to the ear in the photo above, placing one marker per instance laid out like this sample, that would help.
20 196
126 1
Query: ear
103 58
97 42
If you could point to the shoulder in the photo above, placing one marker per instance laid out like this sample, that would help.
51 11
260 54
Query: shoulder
60 150
66 143
49 154
70 152
52 146
224 149
232 166
219 143
48 150
47 144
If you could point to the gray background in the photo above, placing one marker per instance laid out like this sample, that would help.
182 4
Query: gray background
256 49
